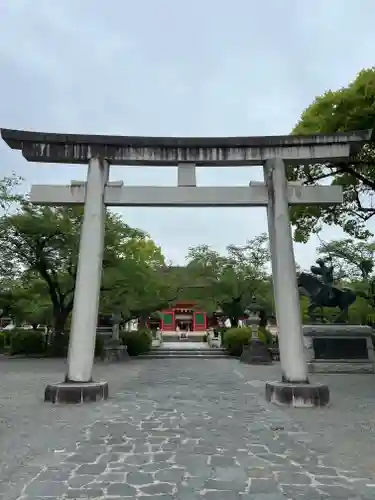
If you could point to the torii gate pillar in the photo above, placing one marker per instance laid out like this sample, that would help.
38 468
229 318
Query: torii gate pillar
89 273
294 388
78 385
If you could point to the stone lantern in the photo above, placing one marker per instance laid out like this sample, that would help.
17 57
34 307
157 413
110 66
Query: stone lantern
255 352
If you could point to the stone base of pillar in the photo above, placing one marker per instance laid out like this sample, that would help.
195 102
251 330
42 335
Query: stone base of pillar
256 354
298 395
76 392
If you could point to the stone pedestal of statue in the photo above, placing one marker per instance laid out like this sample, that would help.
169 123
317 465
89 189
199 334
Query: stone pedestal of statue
335 348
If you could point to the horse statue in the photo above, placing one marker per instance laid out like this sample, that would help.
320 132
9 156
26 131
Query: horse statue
322 292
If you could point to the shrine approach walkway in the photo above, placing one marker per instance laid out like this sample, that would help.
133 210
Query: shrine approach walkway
183 429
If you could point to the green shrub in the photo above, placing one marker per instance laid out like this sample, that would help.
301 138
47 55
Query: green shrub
60 345
58 348
221 329
138 341
34 342
2 341
235 339
28 342
7 336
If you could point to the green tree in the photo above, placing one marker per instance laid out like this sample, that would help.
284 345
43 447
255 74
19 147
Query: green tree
7 198
6 298
347 109
145 286
28 301
353 259
44 241
362 311
230 281
137 285
7 194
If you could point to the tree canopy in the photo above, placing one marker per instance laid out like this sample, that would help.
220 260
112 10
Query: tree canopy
353 259
27 300
7 193
346 109
40 244
229 282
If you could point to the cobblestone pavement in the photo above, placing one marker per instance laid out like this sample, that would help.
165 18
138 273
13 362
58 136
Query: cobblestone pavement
183 429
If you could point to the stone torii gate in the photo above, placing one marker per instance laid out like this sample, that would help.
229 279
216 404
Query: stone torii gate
101 152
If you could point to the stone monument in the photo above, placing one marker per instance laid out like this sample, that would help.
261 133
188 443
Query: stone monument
100 153
333 347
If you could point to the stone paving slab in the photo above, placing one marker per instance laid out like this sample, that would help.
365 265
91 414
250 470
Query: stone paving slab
180 429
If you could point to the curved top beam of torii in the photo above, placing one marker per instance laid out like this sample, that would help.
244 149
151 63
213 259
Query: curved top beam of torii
171 151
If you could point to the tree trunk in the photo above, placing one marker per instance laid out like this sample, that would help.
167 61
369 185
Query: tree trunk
262 319
234 321
142 322
60 339
60 317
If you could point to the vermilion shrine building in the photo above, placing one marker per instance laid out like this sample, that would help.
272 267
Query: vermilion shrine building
183 315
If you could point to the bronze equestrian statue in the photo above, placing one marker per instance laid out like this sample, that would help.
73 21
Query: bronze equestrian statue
319 288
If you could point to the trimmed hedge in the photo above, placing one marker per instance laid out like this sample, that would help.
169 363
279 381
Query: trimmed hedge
34 343
26 342
4 341
137 341
235 338
60 345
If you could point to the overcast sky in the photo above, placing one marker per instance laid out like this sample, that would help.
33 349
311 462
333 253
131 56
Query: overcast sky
175 68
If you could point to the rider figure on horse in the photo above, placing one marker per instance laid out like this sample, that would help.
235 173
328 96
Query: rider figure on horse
326 273
318 286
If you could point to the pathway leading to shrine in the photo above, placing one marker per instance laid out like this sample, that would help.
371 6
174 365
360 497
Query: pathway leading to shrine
183 429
